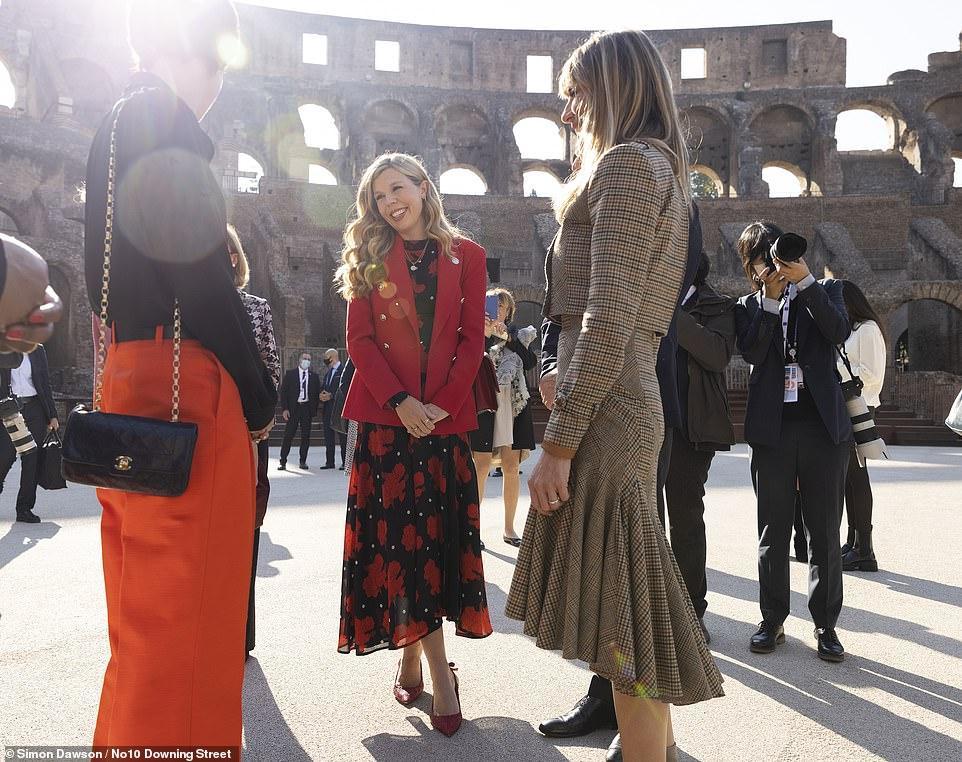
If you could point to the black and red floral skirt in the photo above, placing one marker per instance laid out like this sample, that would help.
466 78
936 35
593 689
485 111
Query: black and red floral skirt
412 544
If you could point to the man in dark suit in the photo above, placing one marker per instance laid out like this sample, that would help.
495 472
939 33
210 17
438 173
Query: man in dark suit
597 709
300 396
30 384
332 380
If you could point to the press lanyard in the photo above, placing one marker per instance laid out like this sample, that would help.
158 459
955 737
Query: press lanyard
790 326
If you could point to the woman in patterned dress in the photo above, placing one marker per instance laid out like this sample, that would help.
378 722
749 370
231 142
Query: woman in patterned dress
595 577
415 332
262 323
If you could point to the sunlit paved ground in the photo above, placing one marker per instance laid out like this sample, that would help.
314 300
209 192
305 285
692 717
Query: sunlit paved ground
898 696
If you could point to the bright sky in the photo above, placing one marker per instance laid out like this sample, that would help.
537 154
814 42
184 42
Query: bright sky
882 37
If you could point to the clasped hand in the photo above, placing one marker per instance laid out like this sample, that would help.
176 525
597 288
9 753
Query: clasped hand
419 419
773 281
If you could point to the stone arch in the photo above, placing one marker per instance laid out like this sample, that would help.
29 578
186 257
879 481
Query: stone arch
930 314
62 345
91 89
538 137
321 127
9 224
948 110
806 186
712 175
243 166
321 173
709 138
8 88
541 179
785 134
465 136
392 124
460 175
890 114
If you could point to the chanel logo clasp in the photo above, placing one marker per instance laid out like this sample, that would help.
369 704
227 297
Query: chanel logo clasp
123 463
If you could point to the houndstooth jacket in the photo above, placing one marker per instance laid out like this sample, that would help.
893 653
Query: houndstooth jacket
618 263
262 322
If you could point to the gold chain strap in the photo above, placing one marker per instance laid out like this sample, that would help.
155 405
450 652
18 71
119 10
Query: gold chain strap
105 291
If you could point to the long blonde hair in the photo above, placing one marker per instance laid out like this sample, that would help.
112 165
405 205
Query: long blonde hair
627 96
369 237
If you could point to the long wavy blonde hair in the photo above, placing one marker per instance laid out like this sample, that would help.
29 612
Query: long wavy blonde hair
625 94
369 237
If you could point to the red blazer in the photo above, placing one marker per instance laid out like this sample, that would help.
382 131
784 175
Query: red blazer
383 341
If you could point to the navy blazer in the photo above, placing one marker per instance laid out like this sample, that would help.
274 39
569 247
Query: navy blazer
822 325
40 375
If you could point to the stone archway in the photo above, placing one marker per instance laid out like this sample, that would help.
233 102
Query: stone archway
929 314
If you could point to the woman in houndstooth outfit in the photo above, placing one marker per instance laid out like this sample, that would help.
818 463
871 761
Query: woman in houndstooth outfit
595 577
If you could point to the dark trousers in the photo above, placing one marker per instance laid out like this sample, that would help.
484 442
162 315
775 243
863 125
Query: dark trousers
858 497
684 493
250 601
36 421
600 687
332 438
262 493
807 456
300 418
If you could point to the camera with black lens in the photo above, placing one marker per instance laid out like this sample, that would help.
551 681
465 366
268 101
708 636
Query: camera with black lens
23 441
788 247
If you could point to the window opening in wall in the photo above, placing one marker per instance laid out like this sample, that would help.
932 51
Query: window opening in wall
249 174
387 55
463 181
694 63
539 138
863 130
704 183
775 56
541 183
783 183
318 175
957 182
8 93
315 49
320 129
540 74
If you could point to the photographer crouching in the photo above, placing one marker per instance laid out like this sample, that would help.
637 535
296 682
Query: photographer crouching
796 424
28 310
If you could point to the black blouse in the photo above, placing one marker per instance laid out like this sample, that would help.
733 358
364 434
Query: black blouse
170 236
424 279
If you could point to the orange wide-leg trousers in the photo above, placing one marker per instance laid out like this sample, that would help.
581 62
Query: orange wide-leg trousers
177 570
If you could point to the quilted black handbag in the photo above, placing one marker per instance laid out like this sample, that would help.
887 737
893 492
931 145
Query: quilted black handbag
127 452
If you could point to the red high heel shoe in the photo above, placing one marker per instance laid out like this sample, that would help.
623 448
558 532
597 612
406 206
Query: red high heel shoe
407 696
448 724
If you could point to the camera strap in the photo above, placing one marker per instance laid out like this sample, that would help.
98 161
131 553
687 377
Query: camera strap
843 356
790 325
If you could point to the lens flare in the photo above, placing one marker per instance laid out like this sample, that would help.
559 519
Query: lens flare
232 52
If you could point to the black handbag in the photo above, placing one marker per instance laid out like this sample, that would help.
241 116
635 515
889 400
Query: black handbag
127 452
49 475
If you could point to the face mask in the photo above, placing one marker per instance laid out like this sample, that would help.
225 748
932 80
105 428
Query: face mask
305 364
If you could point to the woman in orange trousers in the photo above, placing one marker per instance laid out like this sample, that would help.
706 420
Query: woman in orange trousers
176 572
177 569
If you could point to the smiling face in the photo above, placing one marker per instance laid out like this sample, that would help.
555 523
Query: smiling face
400 201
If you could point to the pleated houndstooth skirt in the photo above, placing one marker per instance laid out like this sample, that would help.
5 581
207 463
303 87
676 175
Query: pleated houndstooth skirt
597 580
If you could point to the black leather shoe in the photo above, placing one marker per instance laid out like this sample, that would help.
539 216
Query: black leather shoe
28 517
829 647
327 468
588 715
282 466
303 465
768 636
614 750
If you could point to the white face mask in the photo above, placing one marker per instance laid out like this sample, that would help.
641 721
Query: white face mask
305 364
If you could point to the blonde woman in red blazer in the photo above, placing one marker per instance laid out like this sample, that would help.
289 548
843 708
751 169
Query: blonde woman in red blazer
415 332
